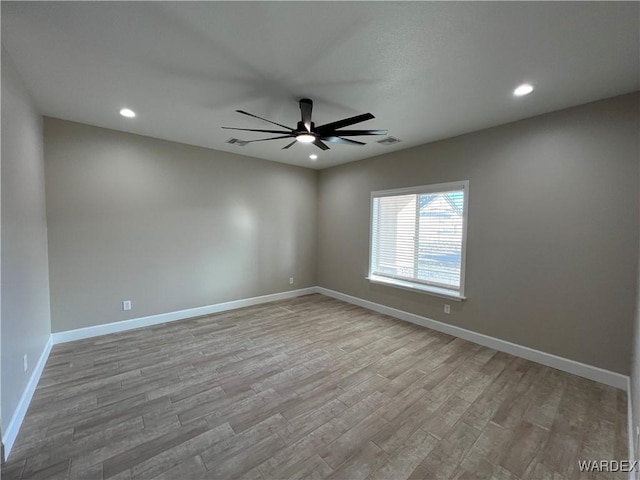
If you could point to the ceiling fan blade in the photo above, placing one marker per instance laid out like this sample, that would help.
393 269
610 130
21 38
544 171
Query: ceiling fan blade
334 139
306 106
318 143
272 138
284 148
344 123
255 116
255 130
356 133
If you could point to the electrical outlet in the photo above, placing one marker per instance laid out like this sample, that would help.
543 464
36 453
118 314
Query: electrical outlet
25 362
126 305
447 308
290 280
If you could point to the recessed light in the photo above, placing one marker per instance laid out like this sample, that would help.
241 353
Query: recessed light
522 90
313 156
127 112
306 138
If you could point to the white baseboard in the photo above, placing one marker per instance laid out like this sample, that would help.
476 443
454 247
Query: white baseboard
633 475
107 328
587 371
597 374
9 437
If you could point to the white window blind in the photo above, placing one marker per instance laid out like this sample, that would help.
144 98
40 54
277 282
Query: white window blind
418 237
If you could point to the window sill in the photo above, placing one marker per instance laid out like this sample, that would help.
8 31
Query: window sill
416 287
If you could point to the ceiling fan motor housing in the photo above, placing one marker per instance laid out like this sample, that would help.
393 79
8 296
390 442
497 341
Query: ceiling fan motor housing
302 129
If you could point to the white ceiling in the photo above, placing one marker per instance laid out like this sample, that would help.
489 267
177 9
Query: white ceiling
427 71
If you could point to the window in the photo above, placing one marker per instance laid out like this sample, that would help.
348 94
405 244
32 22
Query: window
418 238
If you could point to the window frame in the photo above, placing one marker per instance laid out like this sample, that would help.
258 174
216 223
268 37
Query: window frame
417 286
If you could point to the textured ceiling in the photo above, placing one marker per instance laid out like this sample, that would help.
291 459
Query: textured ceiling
427 71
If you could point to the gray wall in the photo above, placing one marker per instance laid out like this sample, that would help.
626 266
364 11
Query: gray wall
168 226
552 233
26 323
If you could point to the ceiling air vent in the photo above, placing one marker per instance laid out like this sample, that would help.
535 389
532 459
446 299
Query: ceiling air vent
389 141
237 141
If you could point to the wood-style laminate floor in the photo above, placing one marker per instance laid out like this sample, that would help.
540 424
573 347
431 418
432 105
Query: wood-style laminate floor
308 388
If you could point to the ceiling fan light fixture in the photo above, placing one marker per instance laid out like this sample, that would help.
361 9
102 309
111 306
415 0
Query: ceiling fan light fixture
127 112
522 90
306 138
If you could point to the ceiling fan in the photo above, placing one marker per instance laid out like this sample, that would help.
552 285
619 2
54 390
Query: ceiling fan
307 132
